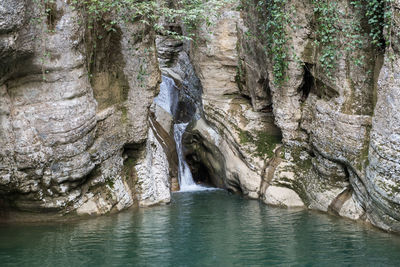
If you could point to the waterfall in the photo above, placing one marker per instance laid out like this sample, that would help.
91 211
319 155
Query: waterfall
167 99
185 176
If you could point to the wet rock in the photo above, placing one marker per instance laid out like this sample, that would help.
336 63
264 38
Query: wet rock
62 134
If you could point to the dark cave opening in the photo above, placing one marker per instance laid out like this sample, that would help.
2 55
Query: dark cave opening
308 84
205 161
264 83
52 14
200 172
316 86
132 151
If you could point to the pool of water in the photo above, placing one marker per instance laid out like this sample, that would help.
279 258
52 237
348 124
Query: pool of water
207 228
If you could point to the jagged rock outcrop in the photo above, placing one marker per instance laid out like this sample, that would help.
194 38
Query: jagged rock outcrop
70 143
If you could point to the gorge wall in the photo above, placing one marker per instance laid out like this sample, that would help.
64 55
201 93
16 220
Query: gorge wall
335 144
324 138
73 143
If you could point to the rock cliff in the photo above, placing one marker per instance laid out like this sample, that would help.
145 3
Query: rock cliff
321 139
79 132
72 142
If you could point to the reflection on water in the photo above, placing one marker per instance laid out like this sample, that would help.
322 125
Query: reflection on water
200 229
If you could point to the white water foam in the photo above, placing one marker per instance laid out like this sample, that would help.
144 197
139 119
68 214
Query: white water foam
167 100
186 181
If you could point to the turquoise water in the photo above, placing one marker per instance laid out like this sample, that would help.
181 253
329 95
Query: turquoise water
210 228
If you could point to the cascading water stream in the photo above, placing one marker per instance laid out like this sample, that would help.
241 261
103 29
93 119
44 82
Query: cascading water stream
186 181
168 99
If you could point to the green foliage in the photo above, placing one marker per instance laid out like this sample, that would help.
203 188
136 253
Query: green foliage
379 15
152 14
274 21
327 19
266 143
191 13
102 17
332 26
194 13
110 182
333 30
245 137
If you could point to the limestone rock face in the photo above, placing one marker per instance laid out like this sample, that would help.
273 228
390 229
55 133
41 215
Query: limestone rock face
234 142
282 196
91 144
324 128
216 59
153 174
339 145
382 175
15 42
339 131
68 143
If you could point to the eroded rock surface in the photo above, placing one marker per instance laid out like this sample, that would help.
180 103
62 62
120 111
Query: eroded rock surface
70 143
338 151
234 141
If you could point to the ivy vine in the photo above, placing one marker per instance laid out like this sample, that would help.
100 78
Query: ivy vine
332 31
105 15
327 30
274 19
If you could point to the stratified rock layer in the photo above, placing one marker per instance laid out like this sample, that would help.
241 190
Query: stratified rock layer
90 144
70 143
339 150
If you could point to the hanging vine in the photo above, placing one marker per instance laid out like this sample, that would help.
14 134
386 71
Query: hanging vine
272 31
332 31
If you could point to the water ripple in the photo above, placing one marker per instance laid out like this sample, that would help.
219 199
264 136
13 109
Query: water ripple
207 228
